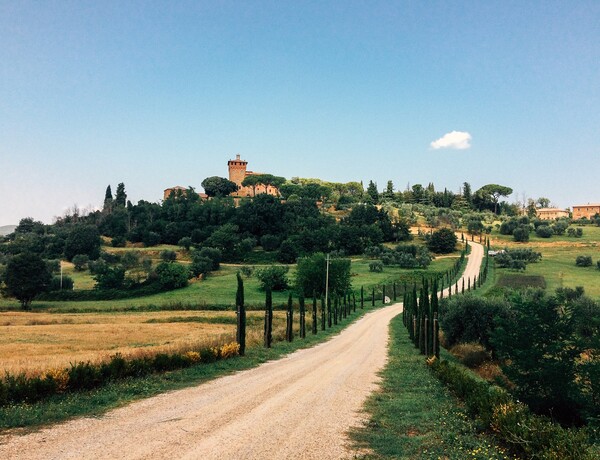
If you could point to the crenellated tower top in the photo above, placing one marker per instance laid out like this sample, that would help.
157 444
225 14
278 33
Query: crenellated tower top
237 170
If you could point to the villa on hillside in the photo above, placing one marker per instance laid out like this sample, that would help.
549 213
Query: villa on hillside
551 213
179 189
237 173
585 211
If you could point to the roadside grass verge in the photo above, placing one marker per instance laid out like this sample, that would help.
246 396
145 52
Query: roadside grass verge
96 402
414 416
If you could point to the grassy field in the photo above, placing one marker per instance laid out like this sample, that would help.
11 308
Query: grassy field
558 259
414 416
32 342
218 289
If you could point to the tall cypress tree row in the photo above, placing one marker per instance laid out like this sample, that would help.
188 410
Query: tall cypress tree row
268 337
241 315
302 317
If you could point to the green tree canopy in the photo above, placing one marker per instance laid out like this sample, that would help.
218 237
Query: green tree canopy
27 275
311 275
491 193
218 186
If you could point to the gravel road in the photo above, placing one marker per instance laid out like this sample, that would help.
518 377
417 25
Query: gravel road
298 407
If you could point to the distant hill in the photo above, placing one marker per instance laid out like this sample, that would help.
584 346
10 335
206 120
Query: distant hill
7 229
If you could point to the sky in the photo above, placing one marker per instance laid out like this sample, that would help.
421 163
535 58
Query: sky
157 94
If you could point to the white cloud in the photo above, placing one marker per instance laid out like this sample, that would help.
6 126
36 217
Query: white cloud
458 140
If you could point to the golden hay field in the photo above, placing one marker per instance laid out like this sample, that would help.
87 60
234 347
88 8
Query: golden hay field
32 342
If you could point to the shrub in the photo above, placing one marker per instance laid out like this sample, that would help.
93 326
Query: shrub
274 277
118 242
80 262
467 319
172 275
575 232
269 242
583 261
544 231
508 226
168 255
56 284
201 266
376 266
525 434
470 354
213 254
247 270
521 233
185 243
229 350
560 227
442 241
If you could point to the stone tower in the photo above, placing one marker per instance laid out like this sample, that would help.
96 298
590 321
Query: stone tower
237 170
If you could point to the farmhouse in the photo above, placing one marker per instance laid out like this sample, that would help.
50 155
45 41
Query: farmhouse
238 172
586 211
178 189
551 213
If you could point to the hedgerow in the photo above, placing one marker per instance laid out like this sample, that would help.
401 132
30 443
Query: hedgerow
79 376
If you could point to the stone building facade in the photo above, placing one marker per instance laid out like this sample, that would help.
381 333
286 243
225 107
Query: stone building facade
585 211
551 213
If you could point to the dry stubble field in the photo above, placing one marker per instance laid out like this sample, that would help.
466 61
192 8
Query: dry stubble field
32 342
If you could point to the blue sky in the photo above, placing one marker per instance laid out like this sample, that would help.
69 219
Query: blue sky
157 94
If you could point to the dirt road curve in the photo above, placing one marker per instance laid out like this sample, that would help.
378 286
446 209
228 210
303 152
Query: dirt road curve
297 407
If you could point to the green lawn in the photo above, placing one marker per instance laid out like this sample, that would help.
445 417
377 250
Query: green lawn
218 289
558 259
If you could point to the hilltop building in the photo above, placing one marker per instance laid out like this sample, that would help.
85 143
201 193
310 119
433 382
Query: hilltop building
585 211
238 172
179 189
551 213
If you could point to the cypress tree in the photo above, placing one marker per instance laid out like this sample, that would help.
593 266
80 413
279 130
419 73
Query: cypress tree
354 301
302 317
336 305
362 297
314 313
463 285
373 298
394 290
290 320
383 294
323 314
329 318
268 337
241 315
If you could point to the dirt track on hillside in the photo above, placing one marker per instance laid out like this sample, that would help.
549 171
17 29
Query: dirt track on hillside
300 406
